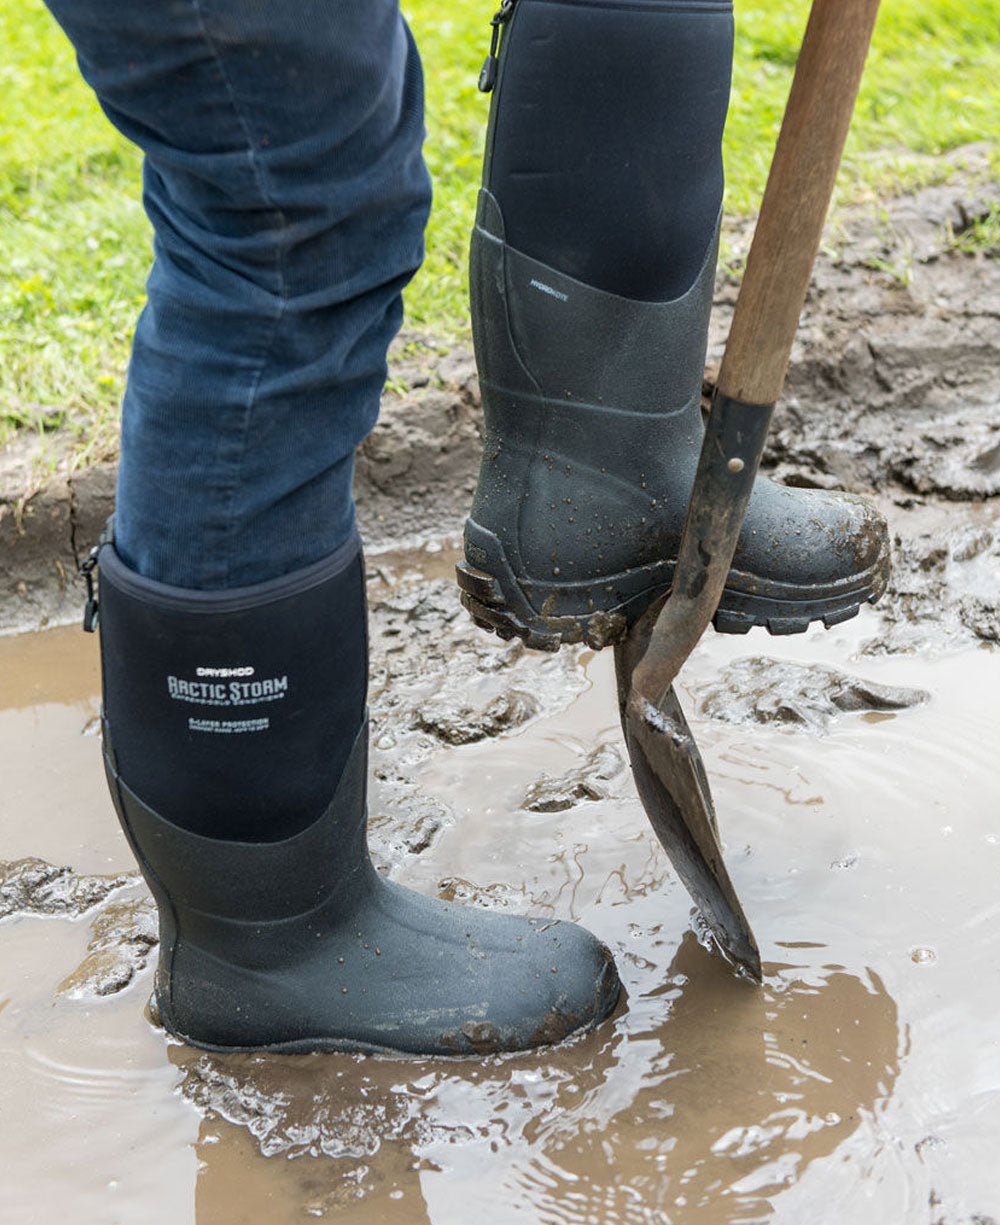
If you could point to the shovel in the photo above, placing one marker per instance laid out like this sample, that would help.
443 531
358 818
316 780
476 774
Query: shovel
667 766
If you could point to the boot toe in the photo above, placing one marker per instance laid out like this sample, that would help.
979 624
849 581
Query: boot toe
813 540
573 987
538 983
430 977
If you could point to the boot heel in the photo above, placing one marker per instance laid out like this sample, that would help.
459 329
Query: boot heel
483 598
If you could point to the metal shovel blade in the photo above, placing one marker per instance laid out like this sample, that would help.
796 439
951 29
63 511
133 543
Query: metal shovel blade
673 787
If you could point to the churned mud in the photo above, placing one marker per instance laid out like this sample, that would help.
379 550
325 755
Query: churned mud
854 774
857 798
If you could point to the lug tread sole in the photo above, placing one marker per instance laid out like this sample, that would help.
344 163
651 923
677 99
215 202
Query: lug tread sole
483 597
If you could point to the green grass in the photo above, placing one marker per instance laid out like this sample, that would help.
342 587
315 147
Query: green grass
982 235
74 244
73 237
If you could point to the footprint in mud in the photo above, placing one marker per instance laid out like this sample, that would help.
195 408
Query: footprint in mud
438 683
780 691
428 657
956 456
122 933
33 886
944 592
402 821
704 1097
459 723
122 937
591 779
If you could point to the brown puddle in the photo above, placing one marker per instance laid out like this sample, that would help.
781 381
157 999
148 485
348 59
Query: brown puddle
862 823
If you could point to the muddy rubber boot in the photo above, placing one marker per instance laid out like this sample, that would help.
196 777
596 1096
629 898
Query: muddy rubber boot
235 742
592 274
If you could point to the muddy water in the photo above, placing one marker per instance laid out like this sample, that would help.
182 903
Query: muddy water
863 835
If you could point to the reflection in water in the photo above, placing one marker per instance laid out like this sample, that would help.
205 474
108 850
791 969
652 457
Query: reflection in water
700 1102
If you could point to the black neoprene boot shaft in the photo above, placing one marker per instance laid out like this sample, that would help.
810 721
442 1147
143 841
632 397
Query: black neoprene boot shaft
233 712
604 150
235 744
591 278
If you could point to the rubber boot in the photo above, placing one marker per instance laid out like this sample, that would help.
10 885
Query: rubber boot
591 391
235 743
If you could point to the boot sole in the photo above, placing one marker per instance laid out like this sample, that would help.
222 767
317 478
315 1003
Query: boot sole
351 1046
609 994
497 602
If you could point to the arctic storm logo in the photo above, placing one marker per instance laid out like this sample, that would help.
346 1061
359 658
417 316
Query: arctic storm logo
227 693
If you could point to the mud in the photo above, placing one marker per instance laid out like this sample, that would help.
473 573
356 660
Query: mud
761 690
854 773
32 886
893 379
945 585
590 780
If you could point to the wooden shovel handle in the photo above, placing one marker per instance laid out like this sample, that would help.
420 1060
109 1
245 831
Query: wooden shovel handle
796 199
779 265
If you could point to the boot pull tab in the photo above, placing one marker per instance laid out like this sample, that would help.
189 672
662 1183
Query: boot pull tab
87 568
488 75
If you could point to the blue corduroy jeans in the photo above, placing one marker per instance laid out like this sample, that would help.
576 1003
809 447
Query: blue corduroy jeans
284 180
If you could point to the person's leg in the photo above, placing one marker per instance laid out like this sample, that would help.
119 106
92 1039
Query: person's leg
284 179
592 275
288 197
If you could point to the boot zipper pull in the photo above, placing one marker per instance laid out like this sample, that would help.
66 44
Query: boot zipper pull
90 608
488 75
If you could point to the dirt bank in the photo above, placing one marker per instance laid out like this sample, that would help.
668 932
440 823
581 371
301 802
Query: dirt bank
892 387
